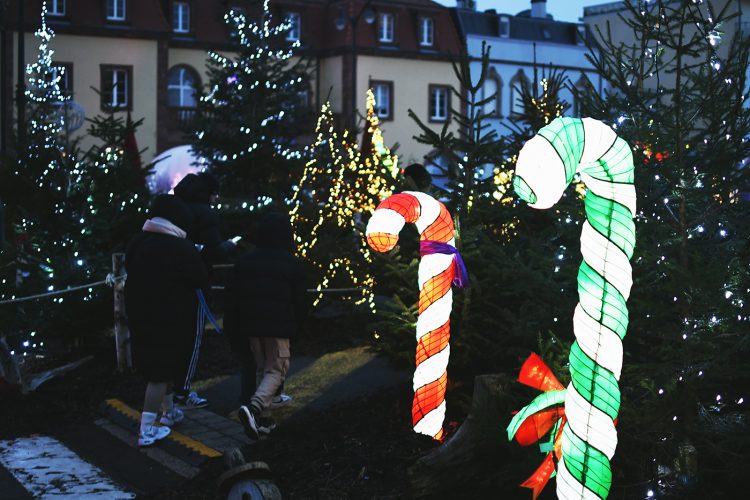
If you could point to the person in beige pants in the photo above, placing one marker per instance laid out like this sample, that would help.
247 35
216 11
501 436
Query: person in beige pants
266 307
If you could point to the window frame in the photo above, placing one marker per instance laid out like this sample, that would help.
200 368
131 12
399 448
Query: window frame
194 74
105 92
504 20
188 6
447 89
52 10
519 78
122 19
298 26
381 24
389 85
422 21
498 101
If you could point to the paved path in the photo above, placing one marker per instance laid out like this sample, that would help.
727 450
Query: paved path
105 453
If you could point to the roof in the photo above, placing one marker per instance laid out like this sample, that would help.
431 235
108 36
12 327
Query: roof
522 27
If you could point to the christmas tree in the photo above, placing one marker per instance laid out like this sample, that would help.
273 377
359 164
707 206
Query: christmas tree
67 211
255 108
338 190
678 97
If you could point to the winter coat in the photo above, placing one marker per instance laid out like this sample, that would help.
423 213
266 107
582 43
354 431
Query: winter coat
265 293
164 272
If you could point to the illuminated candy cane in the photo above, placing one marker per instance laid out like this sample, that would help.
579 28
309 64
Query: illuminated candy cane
440 266
546 166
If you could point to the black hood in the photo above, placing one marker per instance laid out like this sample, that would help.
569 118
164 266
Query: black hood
275 231
174 210
197 188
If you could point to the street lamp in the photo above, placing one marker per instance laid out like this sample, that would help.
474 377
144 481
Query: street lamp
341 20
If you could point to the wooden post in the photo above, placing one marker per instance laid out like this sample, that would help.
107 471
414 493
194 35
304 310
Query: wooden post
122 333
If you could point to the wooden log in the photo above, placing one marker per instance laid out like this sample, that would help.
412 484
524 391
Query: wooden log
476 451
122 332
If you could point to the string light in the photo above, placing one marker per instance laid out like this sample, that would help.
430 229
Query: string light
339 185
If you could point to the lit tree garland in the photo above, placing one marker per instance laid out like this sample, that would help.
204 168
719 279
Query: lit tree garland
338 187
247 123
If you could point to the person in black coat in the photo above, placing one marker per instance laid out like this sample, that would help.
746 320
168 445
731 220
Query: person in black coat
266 307
164 271
198 191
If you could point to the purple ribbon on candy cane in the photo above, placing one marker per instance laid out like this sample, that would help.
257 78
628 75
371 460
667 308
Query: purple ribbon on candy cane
429 247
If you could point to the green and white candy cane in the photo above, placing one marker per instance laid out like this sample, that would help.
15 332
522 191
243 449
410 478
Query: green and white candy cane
546 166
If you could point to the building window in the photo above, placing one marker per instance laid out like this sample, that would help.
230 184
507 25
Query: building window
518 82
504 27
116 88
116 10
56 8
182 86
426 32
385 28
492 90
383 92
65 72
181 17
293 35
439 104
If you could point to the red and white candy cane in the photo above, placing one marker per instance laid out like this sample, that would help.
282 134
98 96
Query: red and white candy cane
440 266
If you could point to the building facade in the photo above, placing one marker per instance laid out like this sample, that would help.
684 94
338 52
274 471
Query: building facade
522 46
148 56
607 18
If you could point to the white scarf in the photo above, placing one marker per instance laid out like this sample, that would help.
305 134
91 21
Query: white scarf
161 225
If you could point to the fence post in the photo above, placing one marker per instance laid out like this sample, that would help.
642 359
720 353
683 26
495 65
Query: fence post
122 333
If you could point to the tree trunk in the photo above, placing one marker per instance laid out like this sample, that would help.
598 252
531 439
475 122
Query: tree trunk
477 451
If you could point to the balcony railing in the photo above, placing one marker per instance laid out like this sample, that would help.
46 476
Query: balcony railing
181 118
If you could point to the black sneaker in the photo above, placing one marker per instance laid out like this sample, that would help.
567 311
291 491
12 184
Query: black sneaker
247 419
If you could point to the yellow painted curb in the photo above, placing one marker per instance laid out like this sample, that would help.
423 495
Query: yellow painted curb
182 439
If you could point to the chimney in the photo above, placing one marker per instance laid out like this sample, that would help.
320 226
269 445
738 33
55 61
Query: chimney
466 4
539 8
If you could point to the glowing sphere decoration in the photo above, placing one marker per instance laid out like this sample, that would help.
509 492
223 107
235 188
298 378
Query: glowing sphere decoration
171 166
439 267
546 165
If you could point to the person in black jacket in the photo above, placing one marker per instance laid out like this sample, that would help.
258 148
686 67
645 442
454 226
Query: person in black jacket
164 271
266 307
198 191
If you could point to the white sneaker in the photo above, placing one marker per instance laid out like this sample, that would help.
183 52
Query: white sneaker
281 400
190 401
172 417
152 434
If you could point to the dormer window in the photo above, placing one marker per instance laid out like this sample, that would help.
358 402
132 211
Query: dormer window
293 35
116 10
181 17
504 27
56 8
385 28
426 32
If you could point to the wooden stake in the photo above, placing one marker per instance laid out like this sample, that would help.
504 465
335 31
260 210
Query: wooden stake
122 333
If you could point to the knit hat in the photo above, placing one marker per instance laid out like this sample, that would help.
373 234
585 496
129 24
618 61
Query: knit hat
173 209
419 175
197 188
